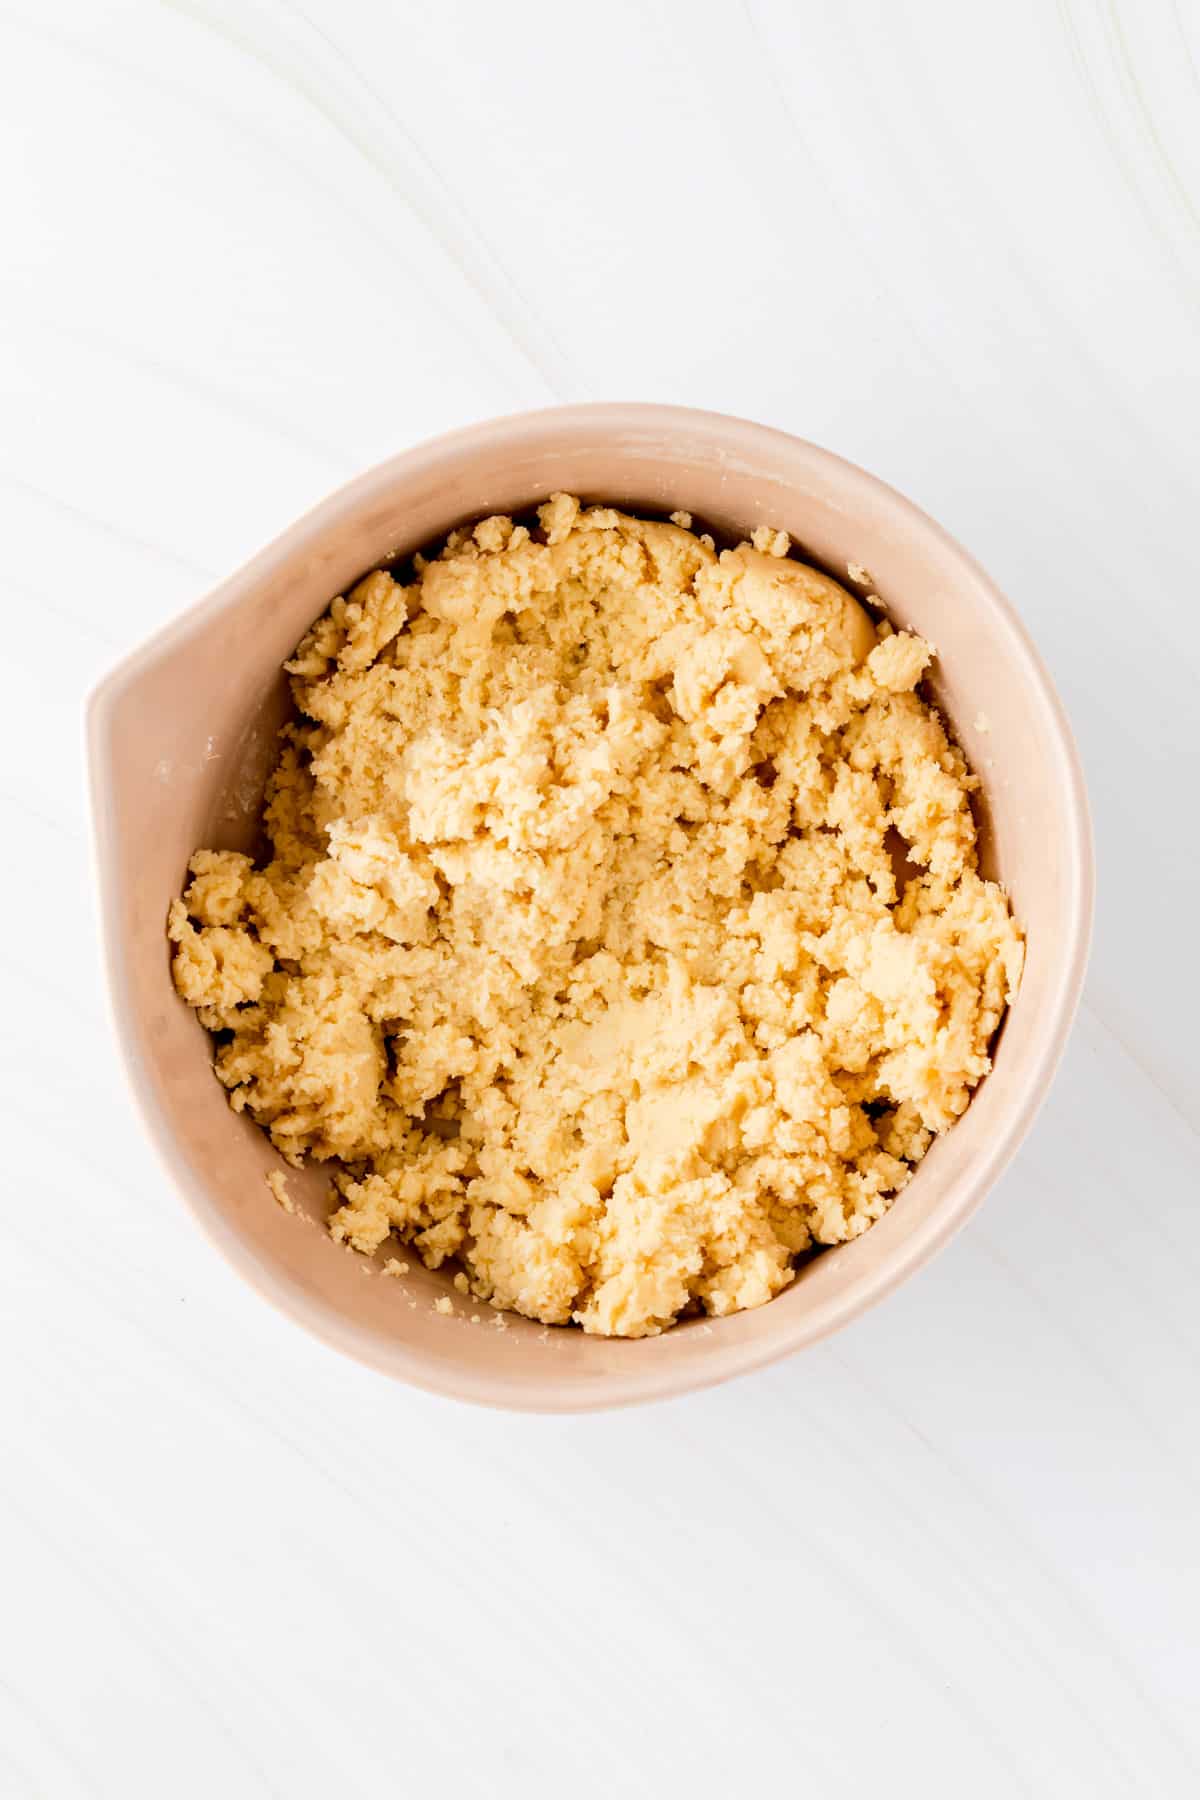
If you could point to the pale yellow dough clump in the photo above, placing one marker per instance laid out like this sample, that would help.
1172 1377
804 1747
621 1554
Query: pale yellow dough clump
580 954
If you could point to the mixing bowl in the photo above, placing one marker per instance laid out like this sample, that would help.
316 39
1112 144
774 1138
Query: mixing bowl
182 735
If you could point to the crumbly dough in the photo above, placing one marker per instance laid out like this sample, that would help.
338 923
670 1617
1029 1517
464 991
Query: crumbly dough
580 954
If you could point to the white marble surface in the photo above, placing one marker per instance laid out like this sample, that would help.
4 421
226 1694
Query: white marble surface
251 246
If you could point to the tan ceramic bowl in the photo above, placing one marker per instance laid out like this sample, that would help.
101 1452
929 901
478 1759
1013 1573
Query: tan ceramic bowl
181 737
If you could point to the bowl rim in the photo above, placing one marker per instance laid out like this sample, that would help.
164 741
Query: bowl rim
653 1381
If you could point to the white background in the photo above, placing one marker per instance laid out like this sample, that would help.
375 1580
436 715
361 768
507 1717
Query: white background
250 247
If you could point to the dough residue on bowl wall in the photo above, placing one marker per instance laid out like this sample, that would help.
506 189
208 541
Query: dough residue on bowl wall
581 954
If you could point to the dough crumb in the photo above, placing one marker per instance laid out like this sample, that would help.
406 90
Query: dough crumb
770 542
859 576
899 660
621 937
277 1182
982 723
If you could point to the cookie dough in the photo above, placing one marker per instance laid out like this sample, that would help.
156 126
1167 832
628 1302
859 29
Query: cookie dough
622 937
